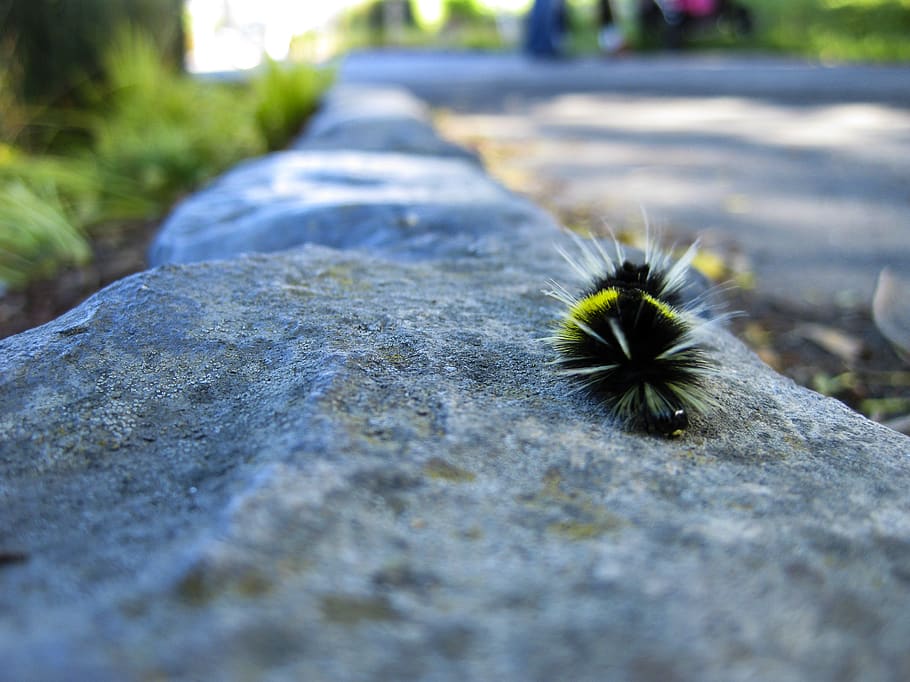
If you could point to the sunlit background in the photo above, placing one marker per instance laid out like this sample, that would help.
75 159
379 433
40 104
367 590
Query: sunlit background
239 34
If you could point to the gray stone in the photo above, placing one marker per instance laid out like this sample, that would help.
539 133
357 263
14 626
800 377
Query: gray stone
376 118
327 466
403 206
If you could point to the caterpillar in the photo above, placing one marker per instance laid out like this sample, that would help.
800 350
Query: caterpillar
633 340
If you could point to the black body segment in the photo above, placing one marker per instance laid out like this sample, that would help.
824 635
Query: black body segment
629 341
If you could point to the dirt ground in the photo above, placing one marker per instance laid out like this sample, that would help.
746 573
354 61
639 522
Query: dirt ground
116 254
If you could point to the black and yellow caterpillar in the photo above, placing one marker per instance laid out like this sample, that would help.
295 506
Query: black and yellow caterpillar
631 340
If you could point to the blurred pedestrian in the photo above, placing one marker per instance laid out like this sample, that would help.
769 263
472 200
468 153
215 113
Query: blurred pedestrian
547 28
610 36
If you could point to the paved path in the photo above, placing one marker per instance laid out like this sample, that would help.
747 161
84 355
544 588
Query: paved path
806 168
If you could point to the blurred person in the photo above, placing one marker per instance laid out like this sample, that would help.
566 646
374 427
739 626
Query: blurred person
610 37
547 28
675 18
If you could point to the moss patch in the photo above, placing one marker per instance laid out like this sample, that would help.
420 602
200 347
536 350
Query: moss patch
440 469
350 610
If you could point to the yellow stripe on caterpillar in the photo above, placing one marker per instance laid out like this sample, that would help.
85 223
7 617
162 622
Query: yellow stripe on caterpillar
604 300
594 305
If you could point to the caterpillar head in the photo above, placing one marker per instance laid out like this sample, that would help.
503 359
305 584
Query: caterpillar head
670 424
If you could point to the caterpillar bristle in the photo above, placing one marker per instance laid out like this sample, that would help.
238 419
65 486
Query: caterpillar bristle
632 339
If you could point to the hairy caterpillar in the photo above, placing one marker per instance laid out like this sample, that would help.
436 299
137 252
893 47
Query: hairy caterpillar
632 340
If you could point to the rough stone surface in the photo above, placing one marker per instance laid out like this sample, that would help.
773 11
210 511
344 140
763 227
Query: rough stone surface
402 205
327 464
321 465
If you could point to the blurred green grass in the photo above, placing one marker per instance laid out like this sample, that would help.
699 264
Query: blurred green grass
147 136
283 97
825 30
37 235
835 30
462 24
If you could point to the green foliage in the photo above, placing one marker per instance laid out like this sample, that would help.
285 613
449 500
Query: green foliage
867 30
286 95
165 132
36 235
835 30
151 135
61 44
466 24
70 182
466 10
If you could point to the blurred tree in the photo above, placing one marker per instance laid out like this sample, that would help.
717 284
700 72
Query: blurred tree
389 18
57 45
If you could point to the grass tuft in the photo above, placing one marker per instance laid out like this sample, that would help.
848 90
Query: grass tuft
36 235
285 96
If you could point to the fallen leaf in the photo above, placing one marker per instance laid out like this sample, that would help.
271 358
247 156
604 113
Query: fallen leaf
891 310
847 348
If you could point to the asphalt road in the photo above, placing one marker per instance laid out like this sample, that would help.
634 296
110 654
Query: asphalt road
804 167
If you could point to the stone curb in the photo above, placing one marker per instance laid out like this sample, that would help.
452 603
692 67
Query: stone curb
357 464
369 172
375 118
